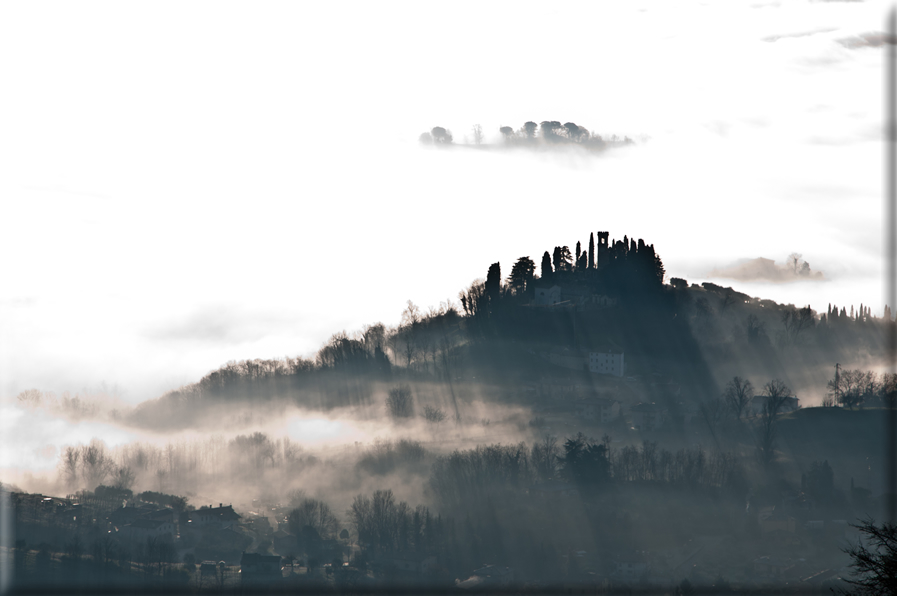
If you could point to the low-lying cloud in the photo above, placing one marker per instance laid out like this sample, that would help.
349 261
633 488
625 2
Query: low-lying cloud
761 269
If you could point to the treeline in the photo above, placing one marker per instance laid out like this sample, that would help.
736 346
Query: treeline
547 133
183 466
496 471
343 373
620 268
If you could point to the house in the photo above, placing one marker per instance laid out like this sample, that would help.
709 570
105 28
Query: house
256 568
548 296
648 416
606 363
142 530
758 404
601 409
220 517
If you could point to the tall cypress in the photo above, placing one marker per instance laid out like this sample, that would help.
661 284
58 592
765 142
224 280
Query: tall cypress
591 264
493 281
578 250
546 265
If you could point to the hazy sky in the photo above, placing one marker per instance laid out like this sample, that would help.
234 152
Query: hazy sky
189 183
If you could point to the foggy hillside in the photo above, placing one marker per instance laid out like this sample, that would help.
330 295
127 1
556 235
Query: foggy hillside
558 421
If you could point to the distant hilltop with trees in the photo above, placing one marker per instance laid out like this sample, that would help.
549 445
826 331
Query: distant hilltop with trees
547 134
609 296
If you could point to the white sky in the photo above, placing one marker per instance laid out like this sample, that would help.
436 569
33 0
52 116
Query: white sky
184 184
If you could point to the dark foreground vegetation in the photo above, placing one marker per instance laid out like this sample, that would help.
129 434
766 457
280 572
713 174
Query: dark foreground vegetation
575 424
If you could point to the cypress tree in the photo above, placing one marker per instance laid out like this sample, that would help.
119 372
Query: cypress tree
578 252
591 264
546 265
493 281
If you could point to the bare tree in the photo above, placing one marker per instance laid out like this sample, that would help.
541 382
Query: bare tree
777 394
318 515
797 321
738 395
70 459
875 562
794 260
477 134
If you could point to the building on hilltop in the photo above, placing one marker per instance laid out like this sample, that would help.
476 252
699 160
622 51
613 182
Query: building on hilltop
548 296
220 517
606 363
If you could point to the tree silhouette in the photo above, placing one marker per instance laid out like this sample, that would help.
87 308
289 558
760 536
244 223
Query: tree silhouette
493 282
441 136
477 132
591 250
875 561
399 403
522 274
738 395
529 130
546 270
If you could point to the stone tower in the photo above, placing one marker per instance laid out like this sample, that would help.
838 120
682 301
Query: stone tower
602 251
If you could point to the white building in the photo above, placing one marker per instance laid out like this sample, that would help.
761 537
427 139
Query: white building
605 363
548 296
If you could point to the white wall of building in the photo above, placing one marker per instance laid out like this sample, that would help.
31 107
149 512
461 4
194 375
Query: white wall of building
606 364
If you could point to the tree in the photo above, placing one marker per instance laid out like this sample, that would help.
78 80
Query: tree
400 403
585 462
316 514
522 274
776 393
425 138
529 130
434 415
563 260
659 270
546 266
794 260
507 132
852 388
591 250
477 131
472 297
493 281
738 395
796 321
875 562
578 251
441 136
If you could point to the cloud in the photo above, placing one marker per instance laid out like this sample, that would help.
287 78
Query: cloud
761 269
774 38
872 39
220 324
